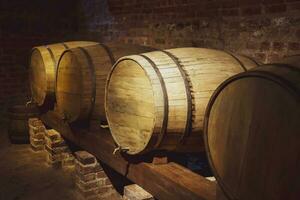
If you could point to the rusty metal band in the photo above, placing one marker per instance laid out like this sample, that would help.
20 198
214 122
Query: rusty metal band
65 45
110 54
189 98
92 68
238 60
166 101
52 58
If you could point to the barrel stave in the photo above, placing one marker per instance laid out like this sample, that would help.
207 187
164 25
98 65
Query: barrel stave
42 71
183 81
251 133
94 64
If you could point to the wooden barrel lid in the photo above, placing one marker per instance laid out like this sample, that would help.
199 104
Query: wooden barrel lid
130 106
69 85
42 71
38 77
252 136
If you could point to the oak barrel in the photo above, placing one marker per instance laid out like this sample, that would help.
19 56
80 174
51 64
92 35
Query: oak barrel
18 115
81 78
157 100
252 133
43 63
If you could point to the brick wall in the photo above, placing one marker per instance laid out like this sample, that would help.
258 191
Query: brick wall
24 24
264 29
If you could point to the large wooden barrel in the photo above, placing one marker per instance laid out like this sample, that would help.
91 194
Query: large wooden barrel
81 78
157 100
18 115
43 63
252 133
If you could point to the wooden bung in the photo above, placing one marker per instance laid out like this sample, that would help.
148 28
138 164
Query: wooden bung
252 133
157 100
81 77
42 70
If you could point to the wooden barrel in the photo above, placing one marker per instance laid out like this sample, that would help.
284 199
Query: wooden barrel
43 63
252 133
157 100
18 122
81 77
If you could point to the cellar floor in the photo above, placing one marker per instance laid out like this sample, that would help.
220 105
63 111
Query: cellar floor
25 175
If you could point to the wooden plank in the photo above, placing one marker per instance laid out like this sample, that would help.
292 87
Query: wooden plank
168 181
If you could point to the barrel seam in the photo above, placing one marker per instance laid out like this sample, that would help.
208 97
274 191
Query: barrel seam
92 68
238 60
52 57
109 52
65 45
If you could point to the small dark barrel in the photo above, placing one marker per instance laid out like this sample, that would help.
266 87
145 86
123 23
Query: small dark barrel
252 133
18 122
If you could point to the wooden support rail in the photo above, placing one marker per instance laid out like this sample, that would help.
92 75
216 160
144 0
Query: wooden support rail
166 182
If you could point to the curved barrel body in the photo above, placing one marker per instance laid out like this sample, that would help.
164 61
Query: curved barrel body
252 133
18 115
81 77
157 100
43 64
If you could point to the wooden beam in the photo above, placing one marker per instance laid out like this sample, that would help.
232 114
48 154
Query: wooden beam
167 181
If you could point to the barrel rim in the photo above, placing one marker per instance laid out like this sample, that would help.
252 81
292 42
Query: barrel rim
58 64
259 74
61 56
45 95
153 138
71 51
50 95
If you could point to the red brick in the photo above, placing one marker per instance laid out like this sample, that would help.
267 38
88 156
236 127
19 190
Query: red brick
276 8
230 12
278 46
253 10
260 57
292 0
294 46
86 169
265 46
85 158
87 177
53 135
229 3
250 2
101 174
270 2
293 6
273 57
298 34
